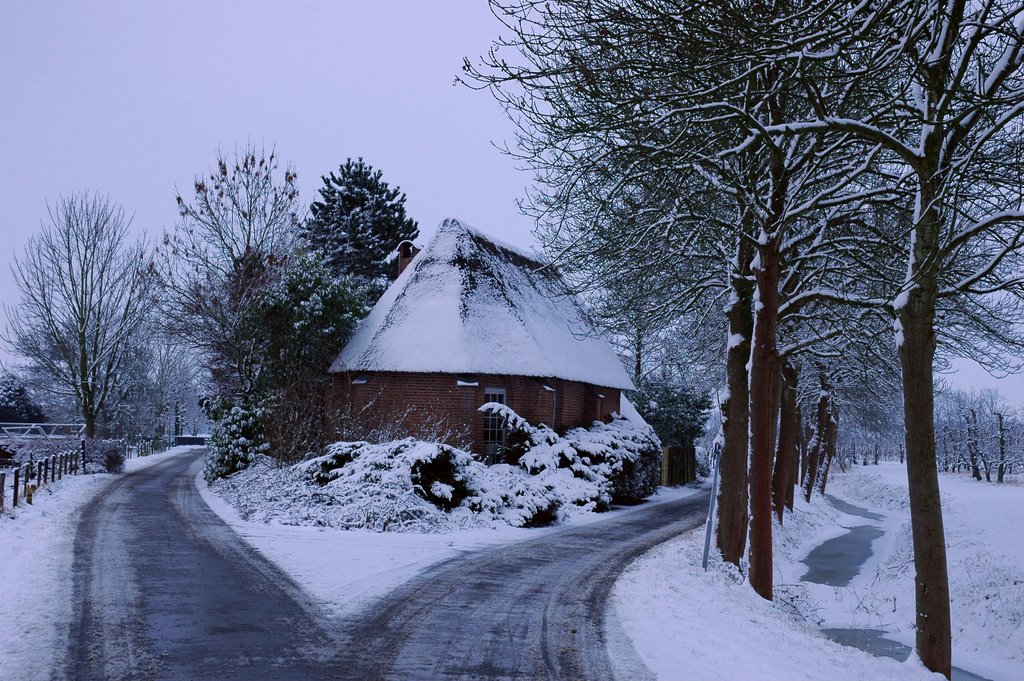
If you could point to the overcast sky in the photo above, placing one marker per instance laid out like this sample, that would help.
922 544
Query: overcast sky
134 98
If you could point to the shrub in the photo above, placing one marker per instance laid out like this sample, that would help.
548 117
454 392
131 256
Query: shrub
104 455
509 494
617 462
236 440
439 479
627 454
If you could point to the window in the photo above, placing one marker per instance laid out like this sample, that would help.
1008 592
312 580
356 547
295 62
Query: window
494 426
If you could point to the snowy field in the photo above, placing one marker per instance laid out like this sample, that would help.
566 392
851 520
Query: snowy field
345 570
712 625
36 555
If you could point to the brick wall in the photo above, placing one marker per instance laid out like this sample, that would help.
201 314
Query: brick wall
436 406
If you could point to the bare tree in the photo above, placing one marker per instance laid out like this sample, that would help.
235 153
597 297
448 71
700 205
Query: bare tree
948 110
233 237
85 295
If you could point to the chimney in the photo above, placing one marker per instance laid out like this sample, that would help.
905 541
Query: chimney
406 252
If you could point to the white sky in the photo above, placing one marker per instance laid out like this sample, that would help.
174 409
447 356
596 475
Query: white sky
133 99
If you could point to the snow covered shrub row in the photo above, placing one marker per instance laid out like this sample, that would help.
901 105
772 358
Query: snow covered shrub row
406 484
412 485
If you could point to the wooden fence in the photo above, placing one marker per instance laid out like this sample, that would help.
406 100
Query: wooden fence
27 478
678 466
145 448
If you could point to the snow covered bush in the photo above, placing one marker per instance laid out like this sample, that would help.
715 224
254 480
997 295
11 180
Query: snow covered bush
440 479
409 479
104 455
506 492
625 453
236 439
617 462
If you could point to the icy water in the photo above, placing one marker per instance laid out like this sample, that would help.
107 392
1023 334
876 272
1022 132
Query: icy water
836 562
874 641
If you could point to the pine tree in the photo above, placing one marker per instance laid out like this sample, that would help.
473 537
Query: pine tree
16 404
358 222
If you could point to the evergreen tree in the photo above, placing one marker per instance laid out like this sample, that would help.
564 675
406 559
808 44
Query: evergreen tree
16 405
676 414
358 222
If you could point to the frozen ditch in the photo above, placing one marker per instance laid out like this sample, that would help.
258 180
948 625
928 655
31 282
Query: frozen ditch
836 562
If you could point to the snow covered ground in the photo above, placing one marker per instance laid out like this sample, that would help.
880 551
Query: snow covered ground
345 570
712 626
984 525
36 554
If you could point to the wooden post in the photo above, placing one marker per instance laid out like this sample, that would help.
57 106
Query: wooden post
46 470
28 486
3 486
39 474
17 472
60 466
82 472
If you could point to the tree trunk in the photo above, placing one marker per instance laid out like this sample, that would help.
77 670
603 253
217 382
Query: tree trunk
731 533
763 358
806 436
916 342
831 440
794 468
972 444
817 445
1001 470
786 457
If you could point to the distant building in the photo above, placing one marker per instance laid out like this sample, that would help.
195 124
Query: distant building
471 320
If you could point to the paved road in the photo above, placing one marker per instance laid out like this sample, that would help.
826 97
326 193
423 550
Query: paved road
165 590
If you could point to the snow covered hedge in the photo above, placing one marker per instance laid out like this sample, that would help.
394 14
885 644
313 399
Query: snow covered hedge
411 485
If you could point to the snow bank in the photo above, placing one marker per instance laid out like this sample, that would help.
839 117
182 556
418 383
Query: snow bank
36 552
684 622
687 623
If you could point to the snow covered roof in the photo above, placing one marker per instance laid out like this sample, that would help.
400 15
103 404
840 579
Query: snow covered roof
470 304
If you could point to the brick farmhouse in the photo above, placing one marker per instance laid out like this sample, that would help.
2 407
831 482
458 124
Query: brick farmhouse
469 321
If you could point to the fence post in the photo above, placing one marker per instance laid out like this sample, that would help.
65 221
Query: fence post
39 474
28 486
3 483
82 472
17 472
